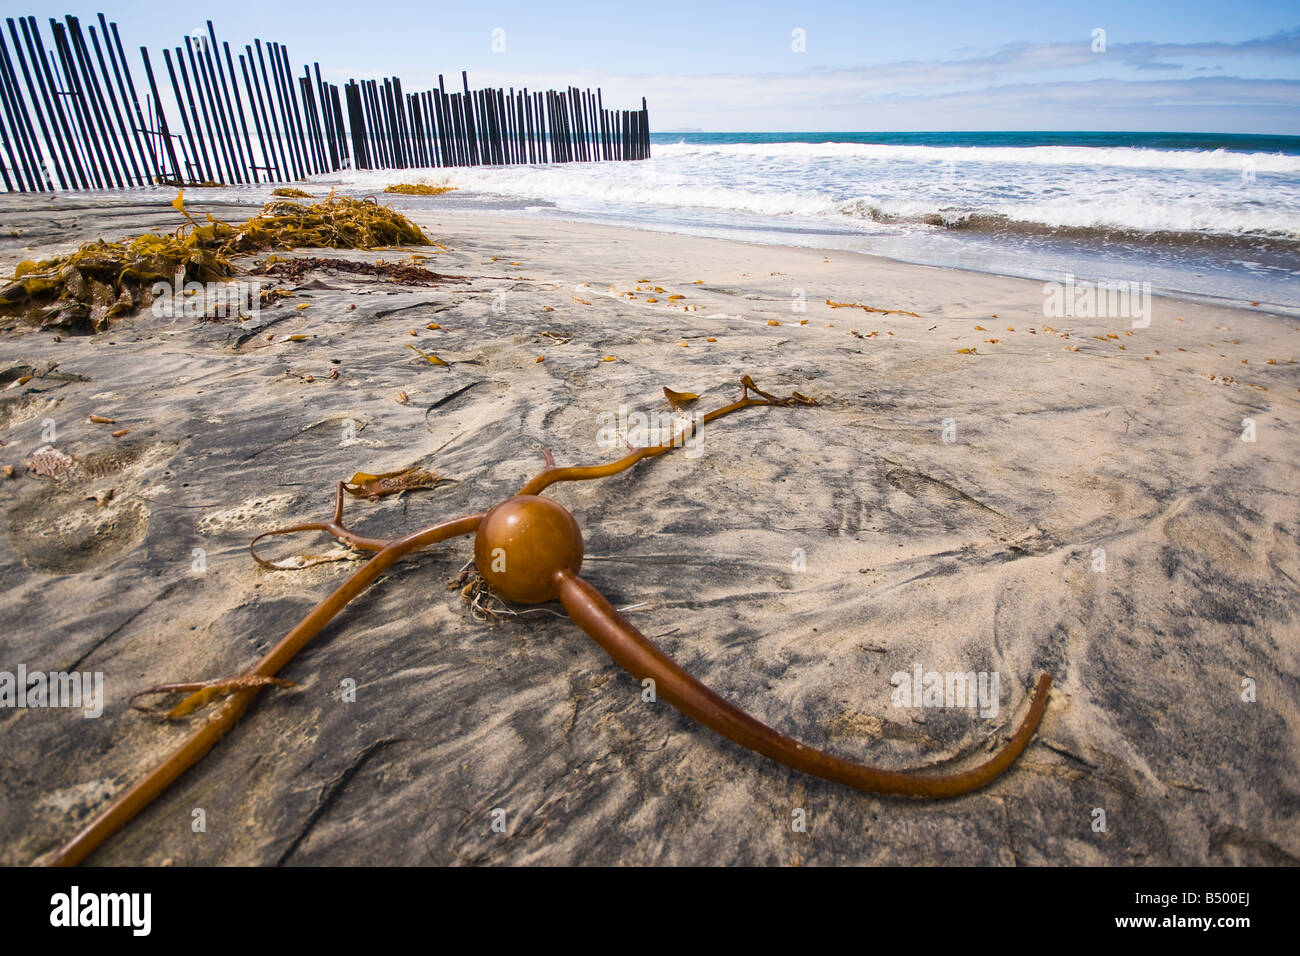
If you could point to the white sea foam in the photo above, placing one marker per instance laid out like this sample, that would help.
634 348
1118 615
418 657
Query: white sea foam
1092 156
883 188
1020 210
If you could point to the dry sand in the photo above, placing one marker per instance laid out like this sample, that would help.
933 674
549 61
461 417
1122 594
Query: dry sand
977 554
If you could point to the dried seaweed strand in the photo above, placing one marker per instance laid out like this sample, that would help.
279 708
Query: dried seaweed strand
868 308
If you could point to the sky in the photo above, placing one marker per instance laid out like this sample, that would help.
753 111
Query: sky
918 65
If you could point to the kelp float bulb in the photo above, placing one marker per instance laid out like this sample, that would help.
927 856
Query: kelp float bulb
523 543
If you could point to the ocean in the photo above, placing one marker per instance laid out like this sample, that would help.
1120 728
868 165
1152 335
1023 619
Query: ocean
1206 215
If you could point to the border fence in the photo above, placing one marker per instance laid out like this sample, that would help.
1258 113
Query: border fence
95 128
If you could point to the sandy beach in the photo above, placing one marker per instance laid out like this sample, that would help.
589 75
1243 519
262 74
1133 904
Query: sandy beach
981 489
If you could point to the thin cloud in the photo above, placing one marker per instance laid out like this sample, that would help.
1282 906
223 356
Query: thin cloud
1054 81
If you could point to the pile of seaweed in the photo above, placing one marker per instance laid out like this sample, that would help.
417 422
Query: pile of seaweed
288 192
84 291
418 189
298 268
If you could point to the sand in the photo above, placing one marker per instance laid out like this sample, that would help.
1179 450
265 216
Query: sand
1096 515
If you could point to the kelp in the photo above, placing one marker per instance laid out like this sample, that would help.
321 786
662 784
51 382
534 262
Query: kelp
679 400
288 192
333 223
85 290
297 268
428 356
418 189
363 485
869 308
528 549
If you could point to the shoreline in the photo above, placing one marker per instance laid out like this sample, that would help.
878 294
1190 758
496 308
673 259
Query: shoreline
15 248
1076 496
1279 310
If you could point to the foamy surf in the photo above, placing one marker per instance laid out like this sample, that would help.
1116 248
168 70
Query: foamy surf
1018 209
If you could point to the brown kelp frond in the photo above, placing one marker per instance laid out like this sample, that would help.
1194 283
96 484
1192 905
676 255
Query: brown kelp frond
428 356
679 400
363 485
288 192
551 474
201 693
297 268
418 189
794 398
869 308
85 290
267 297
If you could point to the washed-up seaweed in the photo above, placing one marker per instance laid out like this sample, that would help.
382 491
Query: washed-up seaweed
428 356
401 272
363 485
418 189
529 550
84 291
333 223
869 308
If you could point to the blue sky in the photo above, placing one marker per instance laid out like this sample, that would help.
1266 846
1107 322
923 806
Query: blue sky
1192 65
